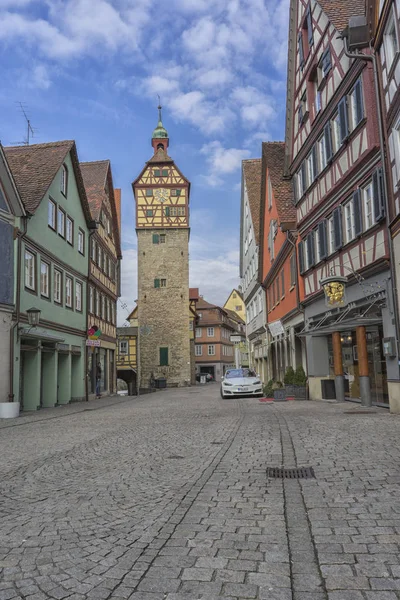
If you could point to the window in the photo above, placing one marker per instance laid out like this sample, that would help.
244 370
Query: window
356 105
99 256
322 153
64 180
97 307
293 270
81 241
324 66
165 172
282 284
149 212
200 315
198 332
311 171
51 214
123 347
300 50
368 201
61 222
163 357
30 271
44 279
390 41
91 293
162 238
156 283
198 350
149 193
317 246
157 173
78 296
68 292
163 283
70 231
336 133
156 238
349 221
176 192
57 286
103 307
303 109
93 250
331 236
210 331
167 211
211 350
105 259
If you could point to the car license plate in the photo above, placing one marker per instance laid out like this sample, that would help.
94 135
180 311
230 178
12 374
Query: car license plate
242 389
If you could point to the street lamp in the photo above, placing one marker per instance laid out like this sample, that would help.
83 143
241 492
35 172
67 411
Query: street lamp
33 316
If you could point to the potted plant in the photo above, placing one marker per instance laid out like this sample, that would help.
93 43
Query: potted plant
269 389
300 384
288 380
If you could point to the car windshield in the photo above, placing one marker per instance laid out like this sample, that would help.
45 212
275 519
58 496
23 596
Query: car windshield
240 373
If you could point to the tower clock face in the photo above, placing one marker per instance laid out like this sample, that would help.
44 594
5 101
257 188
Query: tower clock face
161 195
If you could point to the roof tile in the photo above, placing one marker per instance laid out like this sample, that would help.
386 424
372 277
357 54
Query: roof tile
252 179
274 155
340 11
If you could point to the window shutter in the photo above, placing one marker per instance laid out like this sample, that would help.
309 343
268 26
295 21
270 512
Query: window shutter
309 27
377 186
294 183
167 211
300 114
314 161
283 282
163 357
310 249
344 122
337 226
303 176
359 101
156 238
328 142
301 257
156 283
301 54
322 239
357 212
326 61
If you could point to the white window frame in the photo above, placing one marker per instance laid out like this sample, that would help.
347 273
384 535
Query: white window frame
316 246
81 242
198 350
349 221
123 347
44 279
368 205
30 270
91 299
51 215
211 350
396 146
68 291
198 332
310 169
69 230
331 236
391 42
78 296
57 286
210 331
61 213
322 153
336 141
64 180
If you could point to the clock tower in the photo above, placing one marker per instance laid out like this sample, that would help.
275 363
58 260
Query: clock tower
162 226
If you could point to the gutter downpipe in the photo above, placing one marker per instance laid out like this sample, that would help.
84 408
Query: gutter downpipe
372 58
17 313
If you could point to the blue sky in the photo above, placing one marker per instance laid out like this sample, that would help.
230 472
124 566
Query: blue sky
90 70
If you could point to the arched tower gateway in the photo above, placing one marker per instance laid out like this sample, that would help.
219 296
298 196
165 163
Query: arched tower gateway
162 226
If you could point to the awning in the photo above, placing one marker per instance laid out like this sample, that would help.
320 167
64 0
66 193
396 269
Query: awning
39 334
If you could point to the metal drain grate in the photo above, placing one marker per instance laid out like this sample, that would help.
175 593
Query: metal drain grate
300 473
217 443
176 457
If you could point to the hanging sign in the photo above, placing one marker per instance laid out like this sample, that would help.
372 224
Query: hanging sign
276 328
93 343
94 333
334 290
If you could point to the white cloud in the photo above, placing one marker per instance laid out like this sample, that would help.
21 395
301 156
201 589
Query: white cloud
40 77
128 284
222 161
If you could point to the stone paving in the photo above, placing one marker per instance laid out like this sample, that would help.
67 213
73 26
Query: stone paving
166 497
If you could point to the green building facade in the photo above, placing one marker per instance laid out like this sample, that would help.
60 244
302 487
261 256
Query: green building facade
48 362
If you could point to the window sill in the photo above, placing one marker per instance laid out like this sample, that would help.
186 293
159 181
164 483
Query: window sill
51 227
292 287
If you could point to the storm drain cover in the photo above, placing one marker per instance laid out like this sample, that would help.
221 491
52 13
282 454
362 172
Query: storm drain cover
176 457
299 473
217 443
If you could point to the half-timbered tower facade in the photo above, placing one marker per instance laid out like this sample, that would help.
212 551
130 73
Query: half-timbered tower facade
253 294
278 264
387 46
104 275
162 225
333 155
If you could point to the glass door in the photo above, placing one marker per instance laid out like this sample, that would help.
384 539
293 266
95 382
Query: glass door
377 366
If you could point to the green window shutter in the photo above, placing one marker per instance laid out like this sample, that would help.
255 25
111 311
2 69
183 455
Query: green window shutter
156 283
156 238
165 172
163 357
157 173
178 192
149 212
149 192
167 211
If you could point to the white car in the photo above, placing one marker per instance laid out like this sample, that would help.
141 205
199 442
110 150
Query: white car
241 382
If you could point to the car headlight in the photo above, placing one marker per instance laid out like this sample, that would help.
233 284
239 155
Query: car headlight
226 383
257 383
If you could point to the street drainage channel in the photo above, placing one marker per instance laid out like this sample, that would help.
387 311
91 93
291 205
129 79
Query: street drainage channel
298 473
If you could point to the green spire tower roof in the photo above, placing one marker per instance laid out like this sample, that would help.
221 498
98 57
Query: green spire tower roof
160 131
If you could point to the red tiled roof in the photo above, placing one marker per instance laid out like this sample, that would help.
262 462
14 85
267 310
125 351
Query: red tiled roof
193 293
34 168
117 196
160 156
252 179
274 155
234 316
204 304
340 11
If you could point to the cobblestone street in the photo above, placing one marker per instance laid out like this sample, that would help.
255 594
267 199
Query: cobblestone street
167 497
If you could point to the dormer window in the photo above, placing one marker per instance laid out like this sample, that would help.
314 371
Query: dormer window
64 180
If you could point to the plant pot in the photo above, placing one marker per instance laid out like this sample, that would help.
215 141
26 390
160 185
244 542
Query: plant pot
290 390
9 410
300 392
280 395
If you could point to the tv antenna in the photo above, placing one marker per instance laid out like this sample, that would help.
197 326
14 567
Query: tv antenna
30 131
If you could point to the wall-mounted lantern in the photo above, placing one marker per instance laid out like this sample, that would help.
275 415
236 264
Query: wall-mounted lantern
33 316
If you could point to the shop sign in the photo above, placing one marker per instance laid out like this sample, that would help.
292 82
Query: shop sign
236 339
334 290
276 328
93 343
94 333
